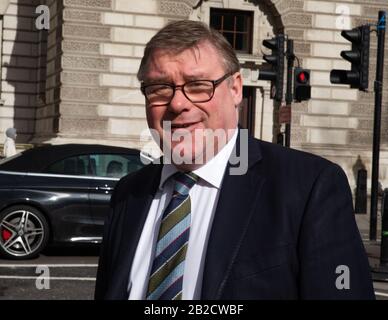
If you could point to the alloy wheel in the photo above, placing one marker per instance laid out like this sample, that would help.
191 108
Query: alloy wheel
23 233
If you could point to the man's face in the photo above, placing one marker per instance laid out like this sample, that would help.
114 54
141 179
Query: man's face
188 119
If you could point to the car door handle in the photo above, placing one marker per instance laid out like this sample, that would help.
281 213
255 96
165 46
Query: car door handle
106 188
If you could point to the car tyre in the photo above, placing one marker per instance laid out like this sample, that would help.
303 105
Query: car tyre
24 232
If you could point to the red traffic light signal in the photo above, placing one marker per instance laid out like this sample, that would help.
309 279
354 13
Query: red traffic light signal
303 77
302 88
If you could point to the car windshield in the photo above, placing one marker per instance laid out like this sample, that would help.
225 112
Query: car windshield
5 160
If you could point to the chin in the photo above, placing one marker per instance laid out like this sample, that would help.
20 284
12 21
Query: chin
186 156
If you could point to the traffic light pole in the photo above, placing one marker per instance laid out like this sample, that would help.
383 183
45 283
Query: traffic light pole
289 98
378 88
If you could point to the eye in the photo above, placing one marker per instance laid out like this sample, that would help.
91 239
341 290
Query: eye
158 89
199 86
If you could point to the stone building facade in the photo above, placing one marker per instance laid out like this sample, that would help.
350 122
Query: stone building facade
76 81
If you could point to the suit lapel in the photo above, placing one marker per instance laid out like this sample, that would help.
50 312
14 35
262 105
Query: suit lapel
134 213
239 194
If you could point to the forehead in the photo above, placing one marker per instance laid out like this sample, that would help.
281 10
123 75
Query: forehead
202 59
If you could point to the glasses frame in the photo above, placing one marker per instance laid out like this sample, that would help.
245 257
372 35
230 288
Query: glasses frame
215 84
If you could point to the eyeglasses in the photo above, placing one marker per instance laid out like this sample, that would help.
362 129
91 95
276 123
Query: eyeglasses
161 94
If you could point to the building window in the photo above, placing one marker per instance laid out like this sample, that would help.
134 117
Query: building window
235 25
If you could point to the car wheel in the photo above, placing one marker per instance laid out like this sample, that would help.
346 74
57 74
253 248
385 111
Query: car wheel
24 232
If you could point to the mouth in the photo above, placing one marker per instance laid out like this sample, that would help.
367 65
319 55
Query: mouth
186 125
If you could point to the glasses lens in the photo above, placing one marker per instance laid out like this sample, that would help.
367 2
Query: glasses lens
158 94
199 91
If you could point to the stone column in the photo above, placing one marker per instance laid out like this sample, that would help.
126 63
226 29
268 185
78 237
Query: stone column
267 122
73 70
18 68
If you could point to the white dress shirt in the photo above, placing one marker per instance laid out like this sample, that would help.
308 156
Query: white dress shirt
204 197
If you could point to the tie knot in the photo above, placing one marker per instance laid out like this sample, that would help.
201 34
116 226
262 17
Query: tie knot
184 181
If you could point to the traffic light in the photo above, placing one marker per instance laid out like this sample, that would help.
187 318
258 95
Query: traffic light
276 59
302 88
357 77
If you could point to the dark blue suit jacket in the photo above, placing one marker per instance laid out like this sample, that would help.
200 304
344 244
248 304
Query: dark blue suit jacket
279 232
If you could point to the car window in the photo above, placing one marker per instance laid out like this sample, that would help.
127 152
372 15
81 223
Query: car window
114 165
76 165
5 160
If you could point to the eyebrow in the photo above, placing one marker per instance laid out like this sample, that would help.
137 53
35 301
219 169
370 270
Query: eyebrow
198 76
166 79
156 81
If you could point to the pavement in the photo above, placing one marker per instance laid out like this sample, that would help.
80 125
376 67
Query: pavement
58 274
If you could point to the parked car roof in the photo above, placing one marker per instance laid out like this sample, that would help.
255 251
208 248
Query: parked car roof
38 158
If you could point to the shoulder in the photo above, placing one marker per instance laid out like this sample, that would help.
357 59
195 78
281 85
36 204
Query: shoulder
294 165
280 152
276 154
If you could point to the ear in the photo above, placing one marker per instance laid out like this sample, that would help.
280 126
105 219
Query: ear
236 88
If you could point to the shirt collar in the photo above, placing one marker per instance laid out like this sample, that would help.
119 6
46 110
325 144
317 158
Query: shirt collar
212 171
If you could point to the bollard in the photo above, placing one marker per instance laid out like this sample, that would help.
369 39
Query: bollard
384 230
361 192
280 139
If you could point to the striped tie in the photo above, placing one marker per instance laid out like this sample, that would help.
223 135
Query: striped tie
166 278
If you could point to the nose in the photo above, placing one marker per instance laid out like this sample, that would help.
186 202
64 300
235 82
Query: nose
179 101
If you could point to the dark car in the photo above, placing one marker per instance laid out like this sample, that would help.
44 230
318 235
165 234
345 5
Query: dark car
58 195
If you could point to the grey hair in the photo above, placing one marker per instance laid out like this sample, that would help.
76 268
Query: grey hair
185 34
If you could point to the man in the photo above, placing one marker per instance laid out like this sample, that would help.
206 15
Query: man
192 228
